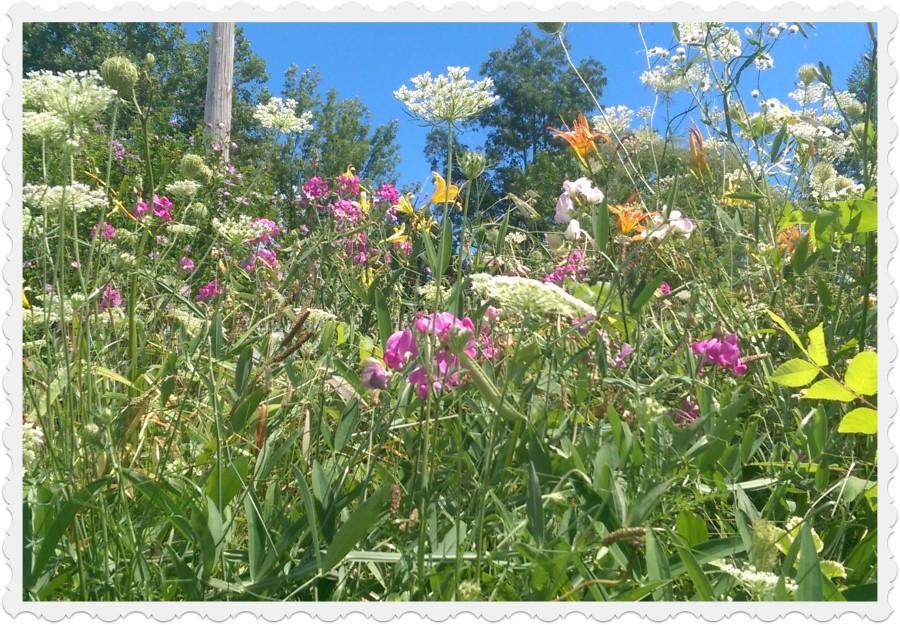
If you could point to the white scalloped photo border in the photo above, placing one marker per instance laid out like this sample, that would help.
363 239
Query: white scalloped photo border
499 11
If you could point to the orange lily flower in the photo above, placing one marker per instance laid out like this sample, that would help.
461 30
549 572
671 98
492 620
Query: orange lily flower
789 237
580 137
699 164
629 218
442 193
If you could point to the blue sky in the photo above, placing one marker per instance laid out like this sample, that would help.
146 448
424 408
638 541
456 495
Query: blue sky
371 60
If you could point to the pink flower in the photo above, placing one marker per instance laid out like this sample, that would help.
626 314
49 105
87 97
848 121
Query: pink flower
141 209
111 298
625 350
186 264
665 288
315 187
387 193
162 208
264 255
107 232
374 375
399 349
725 354
347 185
270 230
209 290
687 413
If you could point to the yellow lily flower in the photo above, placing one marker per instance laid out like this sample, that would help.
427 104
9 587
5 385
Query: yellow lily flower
25 303
421 218
399 235
443 194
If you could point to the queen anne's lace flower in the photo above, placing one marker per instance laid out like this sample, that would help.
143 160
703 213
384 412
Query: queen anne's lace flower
452 97
44 125
614 120
758 583
183 188
75 97
76 197
278 114
524 295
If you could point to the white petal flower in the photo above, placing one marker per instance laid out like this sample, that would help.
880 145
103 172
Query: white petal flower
451 98
279 114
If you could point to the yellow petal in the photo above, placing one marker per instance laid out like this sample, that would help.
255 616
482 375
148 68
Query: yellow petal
441 193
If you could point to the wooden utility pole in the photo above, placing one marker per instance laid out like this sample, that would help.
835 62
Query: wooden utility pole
220 84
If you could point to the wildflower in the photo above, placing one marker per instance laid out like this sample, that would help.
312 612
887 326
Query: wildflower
162 207
279 114
399 349
443 194
687 413
183 188
421 218
193 167
447 98
760 584
32 440
614 120
580 138
473 164
519 295
346 211
630 218
209 291
315 187
388 194
575 192
676 224
44 125
266 256
764 61
120 74
111 298
107 231
75 97
665 288
374 375
807 74
268 231
625 350
186 264
76 197
725 353
348 184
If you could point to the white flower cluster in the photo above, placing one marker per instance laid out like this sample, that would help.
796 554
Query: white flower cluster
760 584
76 98
524 295
76 197
825 184
183 188
764 61
316 315
183 229
676 76
32 440
516 238
452 97
725 43
237 231
429 293
808 95
615 120
43 125
278 114
693 33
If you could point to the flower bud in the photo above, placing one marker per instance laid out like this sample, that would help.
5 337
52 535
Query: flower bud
193 167
120 74
473 164
807 74
149 59
551 28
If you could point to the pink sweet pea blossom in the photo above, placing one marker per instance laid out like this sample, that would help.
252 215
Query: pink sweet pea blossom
399 349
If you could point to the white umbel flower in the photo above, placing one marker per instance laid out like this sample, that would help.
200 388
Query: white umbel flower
183 188
524 295
76 97
236 231
451 98
44 125
76 197
32 440
278 114
758 583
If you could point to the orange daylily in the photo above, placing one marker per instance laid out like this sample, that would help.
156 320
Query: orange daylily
580 137
788 238
442 193
630 217
699 164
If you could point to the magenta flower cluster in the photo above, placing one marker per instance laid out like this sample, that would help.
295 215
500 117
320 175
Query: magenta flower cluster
110 298
687 413
443 372
575 267
106 231
162 208
724 354
346 211
315 188
209 291
347 185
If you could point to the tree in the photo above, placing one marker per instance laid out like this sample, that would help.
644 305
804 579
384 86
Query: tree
537 89
436 149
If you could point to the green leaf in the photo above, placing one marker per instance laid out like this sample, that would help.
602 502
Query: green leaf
643 293
534 505
817 350
657 567
795 372
859 421
61 522
809 575
694 571
600 225
862 373
781 323
828 389
692 528
361 521
384 316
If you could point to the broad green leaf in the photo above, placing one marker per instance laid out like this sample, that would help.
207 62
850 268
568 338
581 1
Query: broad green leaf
360 523
112 375
817 350
694 571
859 421
383 315
781 323
534 505
795 372
692 528
657 567
828 389
862 373
600 225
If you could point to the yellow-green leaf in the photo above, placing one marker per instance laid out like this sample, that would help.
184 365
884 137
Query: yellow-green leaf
112 375
781 323
795 372
862 373
817 350
859 421
828 389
